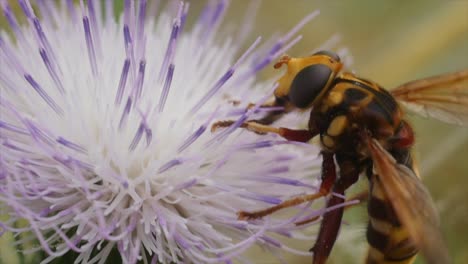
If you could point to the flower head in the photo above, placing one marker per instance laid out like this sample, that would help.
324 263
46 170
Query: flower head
105 141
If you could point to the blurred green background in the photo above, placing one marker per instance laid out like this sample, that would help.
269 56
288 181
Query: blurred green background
391 41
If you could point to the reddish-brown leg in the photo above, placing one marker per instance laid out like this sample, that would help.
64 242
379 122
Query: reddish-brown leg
331 222
300 135
361 197
272 116
328 178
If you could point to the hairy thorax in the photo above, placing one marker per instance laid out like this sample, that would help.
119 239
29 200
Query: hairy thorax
353 106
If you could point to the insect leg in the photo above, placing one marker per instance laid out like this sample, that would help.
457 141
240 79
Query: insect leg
268 119
361 197
349 174
328 178
300 135
274 115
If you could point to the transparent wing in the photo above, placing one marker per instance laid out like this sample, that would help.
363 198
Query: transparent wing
412 204
443 97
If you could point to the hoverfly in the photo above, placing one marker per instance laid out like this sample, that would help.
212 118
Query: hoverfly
362 127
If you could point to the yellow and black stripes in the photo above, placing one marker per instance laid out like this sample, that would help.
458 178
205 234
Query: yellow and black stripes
389 241
382 101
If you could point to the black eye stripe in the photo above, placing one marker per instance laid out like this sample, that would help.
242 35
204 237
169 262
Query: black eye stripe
308 84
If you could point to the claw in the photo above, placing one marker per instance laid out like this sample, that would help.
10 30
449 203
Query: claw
242 215
220 124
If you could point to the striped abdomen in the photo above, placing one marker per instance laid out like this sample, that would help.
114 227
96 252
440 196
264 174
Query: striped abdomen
389 241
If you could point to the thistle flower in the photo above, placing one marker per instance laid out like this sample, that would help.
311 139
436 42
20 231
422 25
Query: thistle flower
104 139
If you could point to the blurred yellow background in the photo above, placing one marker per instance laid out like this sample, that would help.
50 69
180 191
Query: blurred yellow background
391 42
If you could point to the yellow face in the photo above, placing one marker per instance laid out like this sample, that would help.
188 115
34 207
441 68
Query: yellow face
296 65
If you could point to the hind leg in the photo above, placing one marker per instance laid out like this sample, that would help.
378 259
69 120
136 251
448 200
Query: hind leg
349 174
328 179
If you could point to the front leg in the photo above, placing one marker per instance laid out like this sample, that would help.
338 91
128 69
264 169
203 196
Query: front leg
272 116
299 135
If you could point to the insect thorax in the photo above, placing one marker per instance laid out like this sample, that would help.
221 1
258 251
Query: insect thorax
353 105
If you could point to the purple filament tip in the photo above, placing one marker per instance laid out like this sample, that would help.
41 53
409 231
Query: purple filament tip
280 169
210 20
279 180
137 137
213 90
12 20
127 36
279 47
166 87
129 49
42 38
43 94
12 128
169 165
141 76
25 7
218 12
263 198
186 185
71 145
122 82
219 84
239 121
192 138
125 113
90 45
229 130
46 11
141 20
149 135
37 133
183 18
271 241
94 25
8 144
181 241
170 51
52 71
259 144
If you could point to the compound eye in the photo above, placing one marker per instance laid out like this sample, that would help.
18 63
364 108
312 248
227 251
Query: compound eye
308 84
330 54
